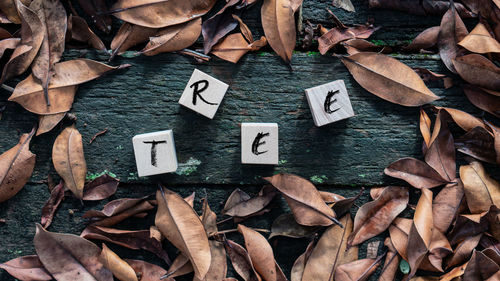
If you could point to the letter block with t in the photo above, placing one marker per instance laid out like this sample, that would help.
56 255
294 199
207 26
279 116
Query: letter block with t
259 143
203 94
155 153
329 103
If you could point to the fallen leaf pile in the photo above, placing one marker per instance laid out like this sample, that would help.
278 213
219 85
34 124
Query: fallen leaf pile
441 222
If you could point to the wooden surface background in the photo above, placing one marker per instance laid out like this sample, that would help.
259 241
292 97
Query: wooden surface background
342 157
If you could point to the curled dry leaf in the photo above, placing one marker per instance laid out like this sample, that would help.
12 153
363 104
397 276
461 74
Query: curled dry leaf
62 86
180 266
441 153
446 205
478 70
26 268
160 13
478 143
130 35
452 30
359 270
78 256
234 46
375 217
54 24
464 250
354 46
389 79
330 252
391 263
147 271
481 191
16 167
132 239
285 225
10 43
479 40
454 273
338 34
173 38
220 24
463 119
69 160
486 100
241 261
81 32
417 173
304 200
278 22
120 268
8 7
438 250
47 122
52 204
100 188
260 253
399 231
480 267
300 263
344 4
241 205
180 224
425 40
32 35
420 235
118 210
425 128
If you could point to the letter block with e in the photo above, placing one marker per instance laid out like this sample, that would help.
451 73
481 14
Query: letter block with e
329 103
259 143
203 94
155 153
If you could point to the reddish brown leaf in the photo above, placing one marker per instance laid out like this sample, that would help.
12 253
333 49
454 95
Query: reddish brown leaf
399 231
480 267
452 31
120 268
52 204
245 206
481 191
391 263
463 251
118 210
26 268
446 205
285 225
417 173
441 152
278 22
338 34
241 261
375 217
100 188
483 99
478 143
463 119
478 70
147 271
260 253
425 40
359 270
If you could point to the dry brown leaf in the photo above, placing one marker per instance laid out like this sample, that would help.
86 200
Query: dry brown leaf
234 46
120 268
81 32
425 40
173 38
241 261
354 46
240 205
100 188
478 143
420 235
391 263
260 253
304 200
147 271
300 263
330 252
160 13
77 256
399 231
454 273
180 224
50 207
479 40
446 205
9 43
480 267
180 266
338 34
441 152
132 239
389 79
130 35
118 210
8 7
16 167
417 173
478 70
32 35
359 270
484 99
62 87
481 191
464 250
47 122
376 216
425 128
69 160
463 119
26 268
438 249
278 22
54 25
452 30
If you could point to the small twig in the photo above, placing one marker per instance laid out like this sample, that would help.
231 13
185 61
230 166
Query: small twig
225 220
8 88
98 134
194 54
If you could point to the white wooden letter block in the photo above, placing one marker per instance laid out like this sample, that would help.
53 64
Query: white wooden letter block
203 94
155 153
259 143
329 103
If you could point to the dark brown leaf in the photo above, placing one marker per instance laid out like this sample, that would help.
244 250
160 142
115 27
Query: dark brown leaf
446 205
417 173
452 31
52 204
483 99
441 152
241 261
478 143
425 40
338 34
118 210
26 268
247 207
478 70
100 188
480 267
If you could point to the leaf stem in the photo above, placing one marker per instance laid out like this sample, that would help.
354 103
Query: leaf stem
8 88
236 230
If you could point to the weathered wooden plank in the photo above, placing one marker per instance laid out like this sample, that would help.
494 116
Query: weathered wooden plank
262 89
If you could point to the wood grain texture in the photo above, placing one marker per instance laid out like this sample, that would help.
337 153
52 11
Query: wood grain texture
144 99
